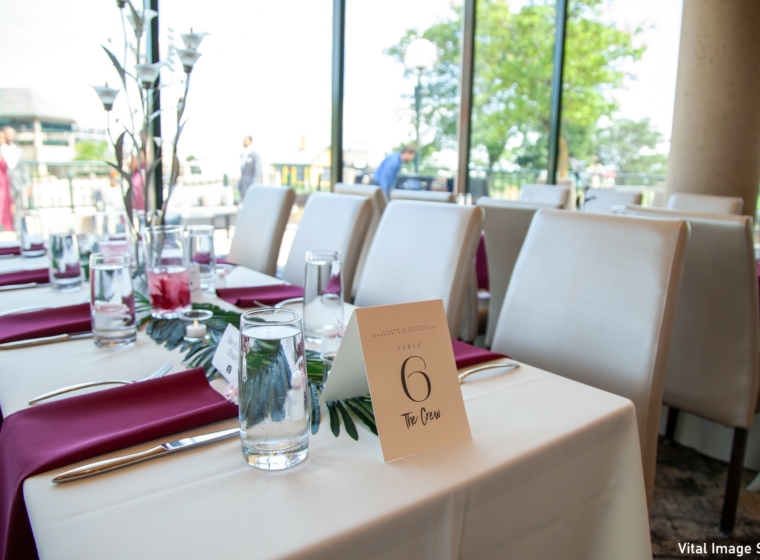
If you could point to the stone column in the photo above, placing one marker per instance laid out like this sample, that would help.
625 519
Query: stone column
715 144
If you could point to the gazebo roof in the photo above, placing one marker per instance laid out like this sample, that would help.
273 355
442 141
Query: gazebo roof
24 103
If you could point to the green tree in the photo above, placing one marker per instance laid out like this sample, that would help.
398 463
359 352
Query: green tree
630 146
513 72
91 150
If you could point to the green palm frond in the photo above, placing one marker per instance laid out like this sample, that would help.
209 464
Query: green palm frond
171 334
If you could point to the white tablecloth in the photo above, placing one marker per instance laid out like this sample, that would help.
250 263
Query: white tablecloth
553 471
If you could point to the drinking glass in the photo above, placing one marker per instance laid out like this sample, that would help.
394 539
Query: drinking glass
65 266
200 245
323 294
88 244
112 300
112 229
166 267
272 389
32 241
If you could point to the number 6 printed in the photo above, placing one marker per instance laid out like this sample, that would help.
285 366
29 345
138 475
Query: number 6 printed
404 377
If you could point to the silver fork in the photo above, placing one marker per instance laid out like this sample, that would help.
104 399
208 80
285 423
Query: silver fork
508 366
160 373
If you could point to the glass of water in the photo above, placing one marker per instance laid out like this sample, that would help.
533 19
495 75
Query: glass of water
272 389
32 241
65 266
200 246
112 300
323 294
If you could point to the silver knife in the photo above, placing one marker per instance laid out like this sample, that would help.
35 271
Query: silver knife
44 340
165 448
19 286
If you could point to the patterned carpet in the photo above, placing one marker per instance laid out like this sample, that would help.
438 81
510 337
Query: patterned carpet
688 498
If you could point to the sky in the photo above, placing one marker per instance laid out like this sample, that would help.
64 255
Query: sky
265 67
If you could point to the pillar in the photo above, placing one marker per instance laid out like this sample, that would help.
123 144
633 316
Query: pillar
715 143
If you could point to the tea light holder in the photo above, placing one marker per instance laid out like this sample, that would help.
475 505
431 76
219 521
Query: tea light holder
195 324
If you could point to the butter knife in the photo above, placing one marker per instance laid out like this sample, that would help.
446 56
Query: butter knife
44 340
164 449
19 286
507 366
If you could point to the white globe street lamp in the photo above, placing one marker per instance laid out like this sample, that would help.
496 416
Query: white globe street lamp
420 56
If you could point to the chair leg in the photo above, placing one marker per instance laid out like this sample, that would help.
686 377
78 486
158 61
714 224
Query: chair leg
670 428
733 482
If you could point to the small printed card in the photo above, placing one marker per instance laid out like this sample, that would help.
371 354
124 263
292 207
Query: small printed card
194 278
227 356
402 356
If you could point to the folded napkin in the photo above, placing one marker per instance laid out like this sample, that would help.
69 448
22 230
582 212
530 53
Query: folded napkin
59 433
468 355
265 295
10 250
39 275
69 319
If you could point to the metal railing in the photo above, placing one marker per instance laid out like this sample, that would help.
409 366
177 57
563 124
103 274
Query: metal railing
69 184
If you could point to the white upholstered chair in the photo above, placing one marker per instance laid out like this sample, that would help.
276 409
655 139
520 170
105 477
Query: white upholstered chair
592 298
429 196
507 223
601 201
422 251
711 204
713 364
546 194
332 222
259 227
379 202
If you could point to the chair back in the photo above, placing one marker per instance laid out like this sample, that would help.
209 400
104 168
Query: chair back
713 363
592 298
429 196
422 251
330 222
546 194
709 203
507 224
601 201
259 227
379 202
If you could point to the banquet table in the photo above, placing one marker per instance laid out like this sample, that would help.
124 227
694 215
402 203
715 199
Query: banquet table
553 470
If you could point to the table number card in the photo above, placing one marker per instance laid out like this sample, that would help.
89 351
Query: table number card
402 355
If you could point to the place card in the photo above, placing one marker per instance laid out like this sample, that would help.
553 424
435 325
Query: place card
194 278
402 356
227 355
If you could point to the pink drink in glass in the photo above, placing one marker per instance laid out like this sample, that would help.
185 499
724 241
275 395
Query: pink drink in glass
169 288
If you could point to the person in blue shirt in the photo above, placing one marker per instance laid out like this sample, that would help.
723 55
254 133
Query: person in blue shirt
386 173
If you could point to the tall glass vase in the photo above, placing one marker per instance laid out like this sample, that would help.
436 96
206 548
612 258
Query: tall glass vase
167 271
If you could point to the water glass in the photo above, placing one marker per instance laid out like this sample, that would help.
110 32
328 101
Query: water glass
112 300
273 389
166 268
323 294
200 246
65 266
88 244
32 239
112 229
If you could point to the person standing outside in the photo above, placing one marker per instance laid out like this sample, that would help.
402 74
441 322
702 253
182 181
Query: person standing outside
17 176
6 216
386 173
250 167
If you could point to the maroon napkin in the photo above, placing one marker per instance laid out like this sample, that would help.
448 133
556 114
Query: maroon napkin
70 319
481 264
265 295
59 433
468 355
39 275
220 260
10 250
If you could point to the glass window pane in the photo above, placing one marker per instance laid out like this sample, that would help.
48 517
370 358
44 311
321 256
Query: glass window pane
380 110
620 78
